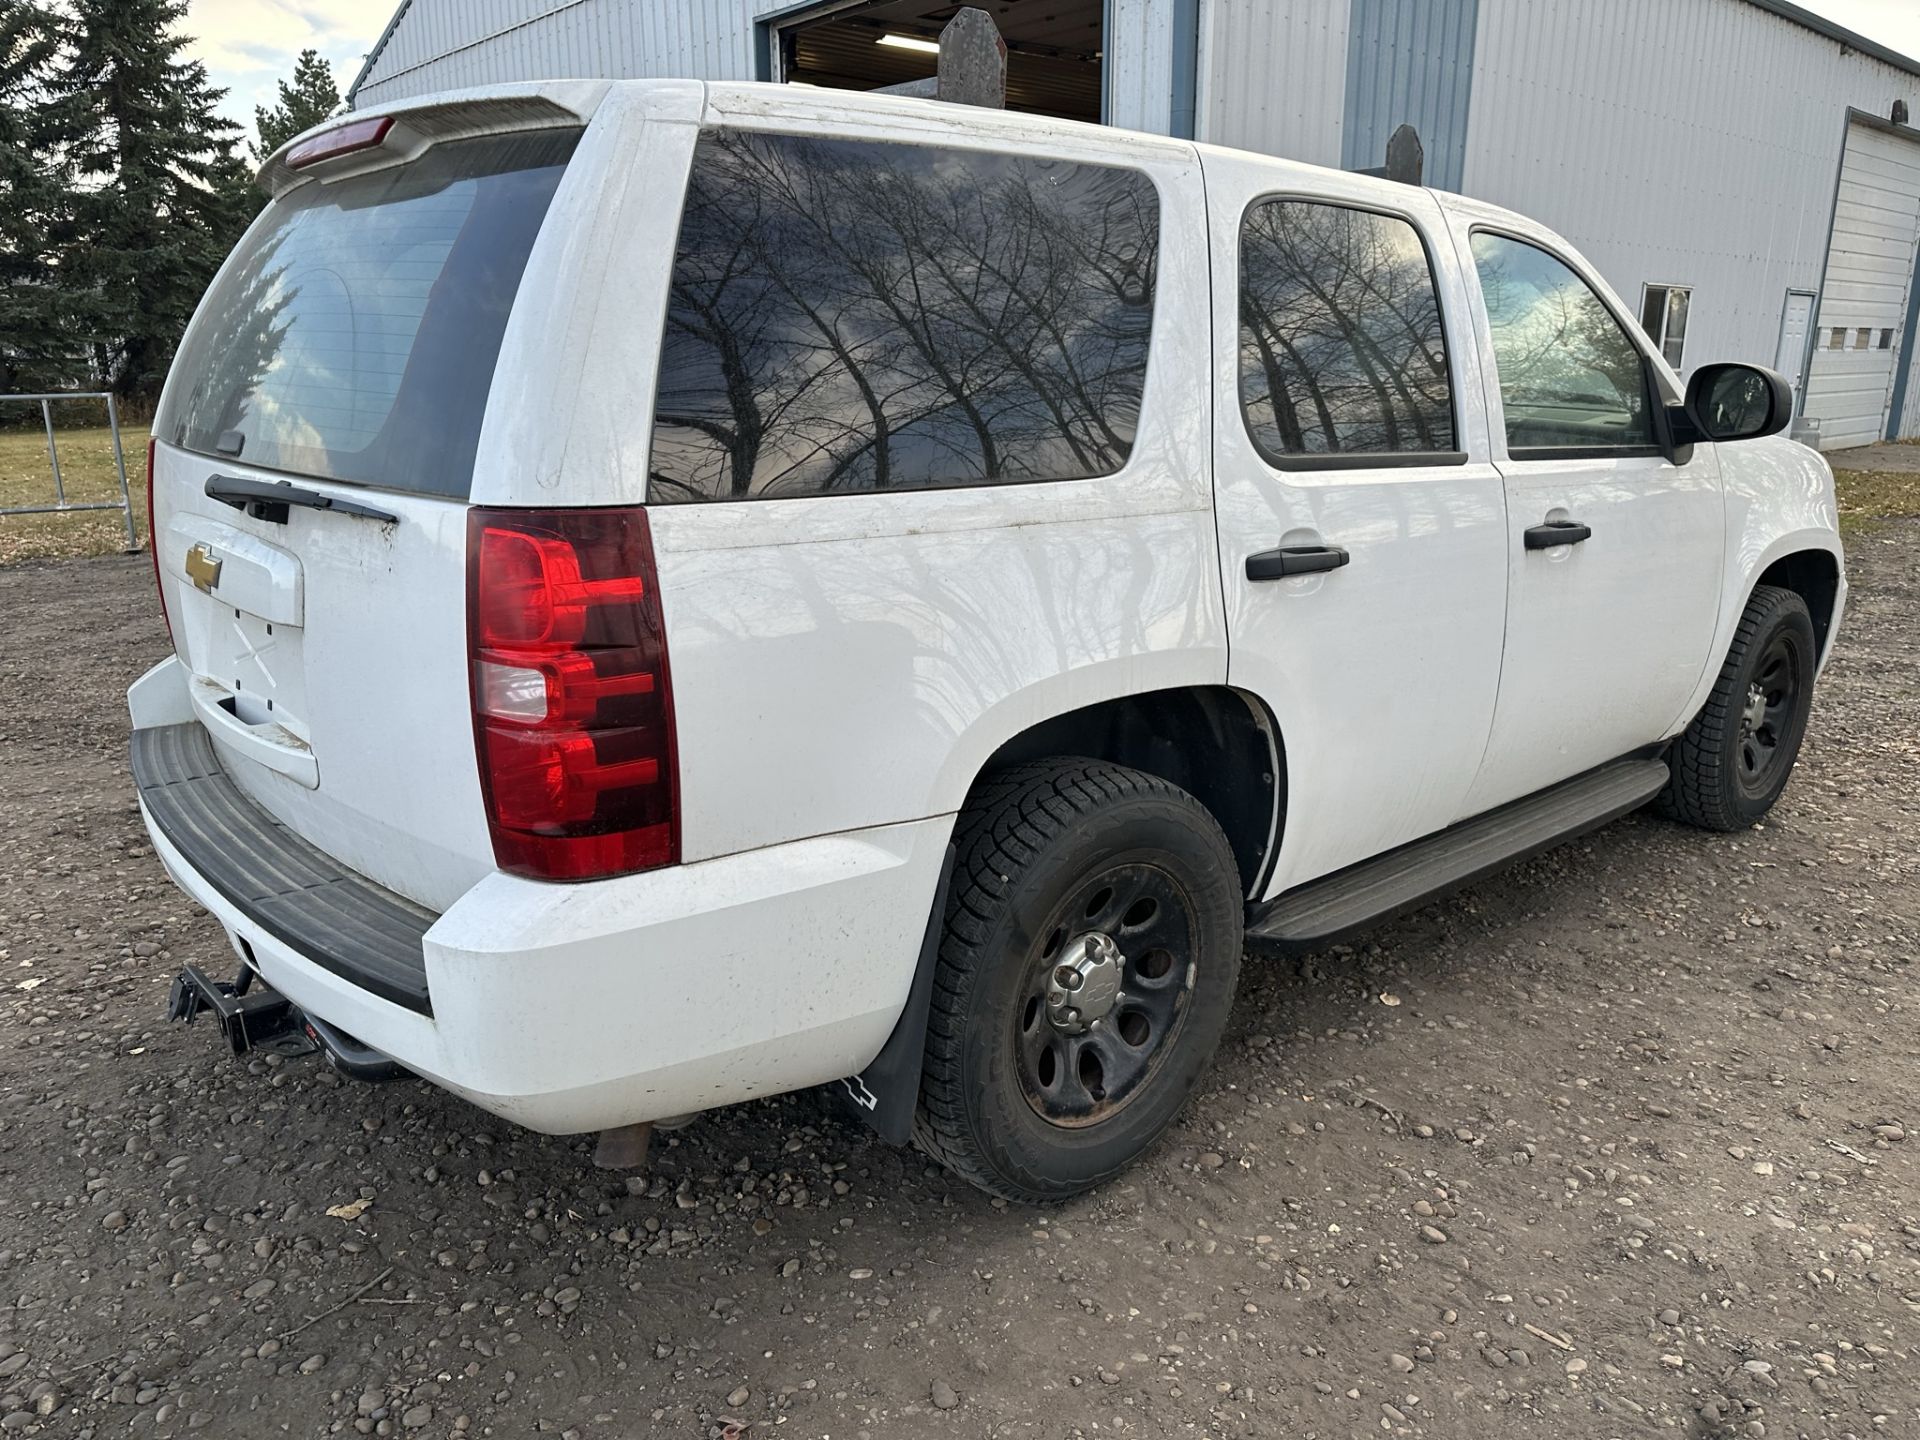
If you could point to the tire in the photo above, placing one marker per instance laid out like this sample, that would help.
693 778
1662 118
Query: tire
1075 866
1734 760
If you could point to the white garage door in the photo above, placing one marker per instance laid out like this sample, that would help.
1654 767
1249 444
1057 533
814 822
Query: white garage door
1863 311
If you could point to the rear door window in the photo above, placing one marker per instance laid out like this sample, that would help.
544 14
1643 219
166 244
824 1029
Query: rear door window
1342 351
354 335
852 316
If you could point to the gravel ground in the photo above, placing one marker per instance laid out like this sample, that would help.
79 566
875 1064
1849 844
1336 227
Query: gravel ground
1614 1144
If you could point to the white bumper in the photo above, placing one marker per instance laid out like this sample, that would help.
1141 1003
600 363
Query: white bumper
570 1008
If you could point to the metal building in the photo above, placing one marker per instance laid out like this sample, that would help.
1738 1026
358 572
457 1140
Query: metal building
1744 168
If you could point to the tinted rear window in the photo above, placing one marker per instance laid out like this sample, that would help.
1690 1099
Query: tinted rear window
354 336
851 315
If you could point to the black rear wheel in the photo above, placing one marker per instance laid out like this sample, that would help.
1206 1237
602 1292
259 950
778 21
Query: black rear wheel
1087 967
1735 758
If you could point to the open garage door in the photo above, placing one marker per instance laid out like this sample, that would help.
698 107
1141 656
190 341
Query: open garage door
1054 51
1862 336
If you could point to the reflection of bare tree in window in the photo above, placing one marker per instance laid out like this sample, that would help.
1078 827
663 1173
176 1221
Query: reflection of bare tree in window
850 316
246 321
1569 376
1341 346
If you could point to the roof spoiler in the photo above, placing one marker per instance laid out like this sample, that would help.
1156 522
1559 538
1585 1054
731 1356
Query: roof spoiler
498 109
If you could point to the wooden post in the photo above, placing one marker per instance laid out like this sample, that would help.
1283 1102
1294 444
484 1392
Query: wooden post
973 61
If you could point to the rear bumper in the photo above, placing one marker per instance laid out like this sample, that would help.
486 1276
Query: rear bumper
569 1008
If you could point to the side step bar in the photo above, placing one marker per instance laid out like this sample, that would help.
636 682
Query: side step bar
1362 895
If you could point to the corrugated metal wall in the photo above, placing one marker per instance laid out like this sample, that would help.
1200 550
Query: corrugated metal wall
1139 64
1675 143
1409 62
448 44
1907 421
1272 74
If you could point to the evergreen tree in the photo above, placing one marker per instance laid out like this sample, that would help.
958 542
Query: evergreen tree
154 204
37 346
311 98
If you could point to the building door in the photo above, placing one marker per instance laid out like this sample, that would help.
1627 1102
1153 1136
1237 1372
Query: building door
1862 322
1790 357
1056 54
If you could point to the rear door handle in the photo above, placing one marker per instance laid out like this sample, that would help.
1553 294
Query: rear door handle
1295 560
1556 532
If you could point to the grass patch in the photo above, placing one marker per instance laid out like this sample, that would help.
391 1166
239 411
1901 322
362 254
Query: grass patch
85 448
1868 497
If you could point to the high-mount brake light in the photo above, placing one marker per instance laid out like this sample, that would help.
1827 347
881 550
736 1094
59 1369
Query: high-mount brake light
341 140
572 703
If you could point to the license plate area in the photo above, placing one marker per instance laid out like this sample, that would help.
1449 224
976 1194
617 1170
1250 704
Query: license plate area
241 631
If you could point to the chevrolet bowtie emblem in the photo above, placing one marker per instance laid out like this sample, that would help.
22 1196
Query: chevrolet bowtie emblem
203 567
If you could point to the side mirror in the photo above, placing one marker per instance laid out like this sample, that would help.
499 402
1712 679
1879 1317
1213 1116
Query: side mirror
1738 402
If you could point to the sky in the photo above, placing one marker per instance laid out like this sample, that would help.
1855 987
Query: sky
249 45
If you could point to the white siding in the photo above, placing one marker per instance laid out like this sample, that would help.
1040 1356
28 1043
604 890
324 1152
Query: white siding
1273 76
1686 143
1138 55
1909 417
1876 224
450 44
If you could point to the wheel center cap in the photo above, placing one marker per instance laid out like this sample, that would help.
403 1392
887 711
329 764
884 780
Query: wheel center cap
1084 983
1755 714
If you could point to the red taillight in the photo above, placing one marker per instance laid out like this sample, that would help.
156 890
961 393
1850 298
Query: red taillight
341 140
572 705
153 545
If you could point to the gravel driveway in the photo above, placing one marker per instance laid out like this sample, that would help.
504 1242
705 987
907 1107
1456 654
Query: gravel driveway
1616 1144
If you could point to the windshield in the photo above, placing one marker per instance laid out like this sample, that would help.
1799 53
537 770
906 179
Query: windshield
354 335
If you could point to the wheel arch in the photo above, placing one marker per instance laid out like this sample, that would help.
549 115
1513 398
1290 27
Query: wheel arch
1807 561
1206 739
1813 575
1202 738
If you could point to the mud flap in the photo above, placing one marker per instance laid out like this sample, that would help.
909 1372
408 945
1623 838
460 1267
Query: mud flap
886 1092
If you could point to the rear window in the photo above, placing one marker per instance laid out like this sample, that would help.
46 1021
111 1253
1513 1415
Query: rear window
354 336
851 315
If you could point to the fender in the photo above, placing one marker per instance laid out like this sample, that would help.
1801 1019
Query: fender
1779 502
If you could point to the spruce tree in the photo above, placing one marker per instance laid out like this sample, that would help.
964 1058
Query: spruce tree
311 98
154 206
38 349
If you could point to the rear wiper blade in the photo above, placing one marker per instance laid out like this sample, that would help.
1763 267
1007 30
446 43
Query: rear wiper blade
269 501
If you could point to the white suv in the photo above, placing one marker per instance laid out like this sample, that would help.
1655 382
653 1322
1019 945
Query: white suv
686 591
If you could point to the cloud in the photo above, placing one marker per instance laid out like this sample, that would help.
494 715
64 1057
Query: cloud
248 46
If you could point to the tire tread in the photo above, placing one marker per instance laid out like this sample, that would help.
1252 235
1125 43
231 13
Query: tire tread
1700 788
1010 820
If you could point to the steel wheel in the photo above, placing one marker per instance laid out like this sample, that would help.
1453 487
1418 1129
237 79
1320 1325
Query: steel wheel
1087 965
1772 705
1109 981
1732 762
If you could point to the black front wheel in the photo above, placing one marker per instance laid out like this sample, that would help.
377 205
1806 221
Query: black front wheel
1734 760
1088 964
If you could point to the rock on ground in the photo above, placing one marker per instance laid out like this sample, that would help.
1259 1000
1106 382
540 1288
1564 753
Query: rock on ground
1592 1057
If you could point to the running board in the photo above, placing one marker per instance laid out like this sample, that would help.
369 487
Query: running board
1325 910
